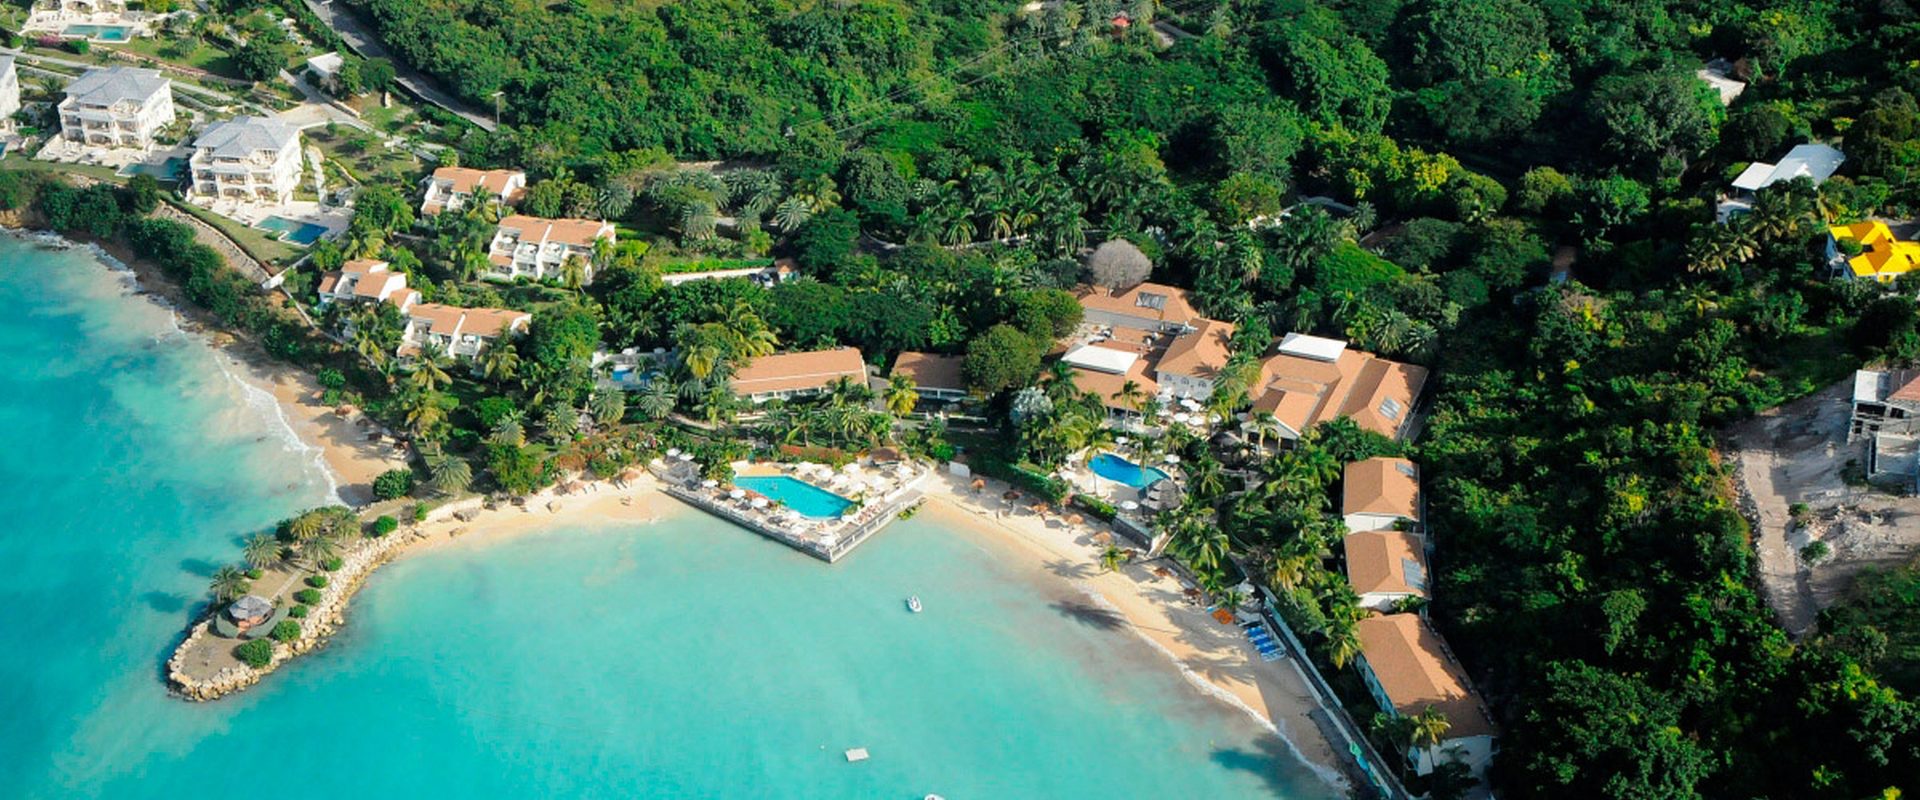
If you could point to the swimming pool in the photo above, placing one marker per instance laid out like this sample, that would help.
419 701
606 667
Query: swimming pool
293 230
100 33
1115 468
167 171
806 498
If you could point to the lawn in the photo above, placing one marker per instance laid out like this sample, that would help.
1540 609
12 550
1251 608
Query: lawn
187 53
363 156
258 243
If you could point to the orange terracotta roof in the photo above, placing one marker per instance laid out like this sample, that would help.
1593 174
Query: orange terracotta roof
576 232
1150 301
462 180
930 371
1415 671
443 319
1378 561
372 286
492 322
1303 392
1105 385
1381 486
787 372
362 266
1201 353
327 281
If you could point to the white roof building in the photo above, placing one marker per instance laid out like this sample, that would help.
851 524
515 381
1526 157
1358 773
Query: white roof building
9 92
1318 348
249 158
117 107
1101 359
1810 160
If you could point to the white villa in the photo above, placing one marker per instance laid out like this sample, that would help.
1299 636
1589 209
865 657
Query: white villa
1408 669
117 107
532 247
99 20
461 332
247 158
1815 161
367 281
325 69
451 188
9 92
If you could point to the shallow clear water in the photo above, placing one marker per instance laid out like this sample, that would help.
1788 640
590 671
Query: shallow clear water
686 658
806 498
1115 468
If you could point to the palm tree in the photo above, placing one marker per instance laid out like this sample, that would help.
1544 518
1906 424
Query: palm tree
500 363
449 475
228 583
657 400
1130 395
308 526
791 213
509 431
607 406
573 271
430 370
901 395
320 550
1343 644
1111 558
818 192
424 412
1261 425
261 551
1430 728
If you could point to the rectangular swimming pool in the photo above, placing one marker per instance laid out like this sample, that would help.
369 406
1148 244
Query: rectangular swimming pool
293 230
806 498
100 33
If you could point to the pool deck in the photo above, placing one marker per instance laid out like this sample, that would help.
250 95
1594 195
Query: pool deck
827 540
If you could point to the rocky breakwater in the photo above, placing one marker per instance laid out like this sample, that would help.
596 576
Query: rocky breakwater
324 618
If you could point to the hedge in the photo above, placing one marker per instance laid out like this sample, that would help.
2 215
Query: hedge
1095 506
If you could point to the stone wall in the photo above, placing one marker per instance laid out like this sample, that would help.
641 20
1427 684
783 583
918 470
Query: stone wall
212 237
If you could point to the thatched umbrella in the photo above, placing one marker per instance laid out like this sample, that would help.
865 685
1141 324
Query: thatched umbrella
1041 508
1010 495
978 484
1103 538
1075 519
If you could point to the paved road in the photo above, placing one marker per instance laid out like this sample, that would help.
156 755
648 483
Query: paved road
364 42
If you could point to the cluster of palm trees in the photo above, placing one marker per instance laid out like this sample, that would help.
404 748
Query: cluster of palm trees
842 416
1019 200
313 537
706 355
1784 214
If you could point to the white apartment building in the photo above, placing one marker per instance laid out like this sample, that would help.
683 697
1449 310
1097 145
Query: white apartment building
451 188
9 92
117 107
366 280
536 248
460 332
247 158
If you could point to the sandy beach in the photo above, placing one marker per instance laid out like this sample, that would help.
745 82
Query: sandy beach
1215 657
346 443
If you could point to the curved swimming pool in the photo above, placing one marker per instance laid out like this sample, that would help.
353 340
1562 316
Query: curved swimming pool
1115 468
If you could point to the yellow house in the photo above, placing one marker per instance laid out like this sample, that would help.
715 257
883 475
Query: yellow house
1882 257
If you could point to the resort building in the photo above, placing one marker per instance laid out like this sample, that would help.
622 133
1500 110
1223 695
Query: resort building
1119 372
452 188
117 107
1193 361
1309 380
1817 162
1883 256
768 276
247 158
1408 669
1150 307
367 281
935 377
325 70
1380 493
1386 567
461 332
1885 401
1718 75
531 247
9 92
797 374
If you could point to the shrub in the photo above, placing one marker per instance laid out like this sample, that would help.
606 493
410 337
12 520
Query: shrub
286 631
254 574
299 612
1815 552
331 564
385 525
393 483
257 653
420 512
1095 506
307 596
317 581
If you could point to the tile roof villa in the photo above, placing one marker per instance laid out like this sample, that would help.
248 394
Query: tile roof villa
1385 566
1309 380
367 280
1378 492
1408 669
458 331
797 374
935 377
1150 306
537 248
451 188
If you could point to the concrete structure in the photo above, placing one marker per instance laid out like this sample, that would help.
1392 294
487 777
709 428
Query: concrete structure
1408 669
1885 402
935 377
1816 162
367 281
256 159
9 92
1309 380
1718 75
117 107
1386 567
463 332
1379 494
532 247
769 276
452 188
325 69
788 375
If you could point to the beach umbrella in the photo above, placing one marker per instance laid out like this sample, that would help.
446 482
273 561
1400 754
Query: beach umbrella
1121 440
1103 538
759 502
1171 459
686 456
1075 519
251 606
737 493
1129 505
709 483
673 451
1182 417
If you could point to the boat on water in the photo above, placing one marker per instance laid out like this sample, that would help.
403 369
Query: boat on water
913 603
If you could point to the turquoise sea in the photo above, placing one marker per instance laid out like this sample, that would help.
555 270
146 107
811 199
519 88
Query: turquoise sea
685 658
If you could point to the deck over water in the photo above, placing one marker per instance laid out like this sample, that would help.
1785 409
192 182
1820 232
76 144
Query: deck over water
883 513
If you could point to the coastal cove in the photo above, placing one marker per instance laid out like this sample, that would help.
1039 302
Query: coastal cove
607 650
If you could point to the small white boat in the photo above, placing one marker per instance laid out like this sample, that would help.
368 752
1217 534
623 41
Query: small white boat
935 797
913 603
